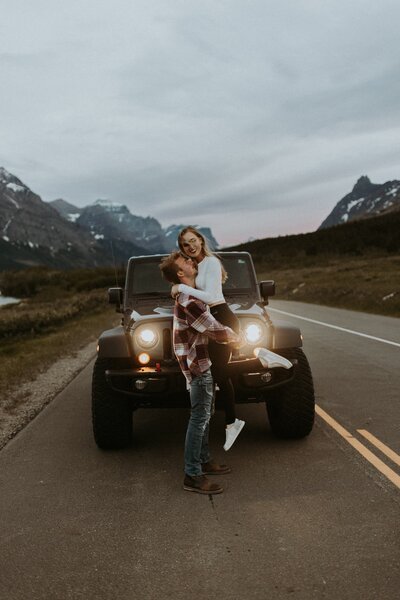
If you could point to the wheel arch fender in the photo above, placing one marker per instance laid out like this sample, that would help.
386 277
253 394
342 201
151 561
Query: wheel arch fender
286 335
113 343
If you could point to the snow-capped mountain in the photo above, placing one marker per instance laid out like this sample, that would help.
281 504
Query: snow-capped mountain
29 226
61 235
32 233
111 220
365 200
106 219
66 209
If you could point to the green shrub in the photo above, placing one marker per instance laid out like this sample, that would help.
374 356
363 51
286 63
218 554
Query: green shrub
27 283
30 318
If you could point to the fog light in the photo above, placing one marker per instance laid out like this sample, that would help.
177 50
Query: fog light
144 358
140 384
266 377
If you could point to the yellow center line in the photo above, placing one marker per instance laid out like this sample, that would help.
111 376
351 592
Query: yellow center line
381 446
363 450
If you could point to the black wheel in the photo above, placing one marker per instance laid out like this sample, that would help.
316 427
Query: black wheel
291 408
111 414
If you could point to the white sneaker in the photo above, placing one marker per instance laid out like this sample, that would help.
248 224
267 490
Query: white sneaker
270 360
231 432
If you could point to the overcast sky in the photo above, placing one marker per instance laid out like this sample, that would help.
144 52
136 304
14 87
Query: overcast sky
252 117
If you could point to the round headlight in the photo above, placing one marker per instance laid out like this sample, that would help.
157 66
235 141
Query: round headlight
144 358
253 333
147 338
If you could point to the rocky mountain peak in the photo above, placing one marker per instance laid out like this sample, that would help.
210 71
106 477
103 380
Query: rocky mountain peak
5 176
110 205
66 209
9 180
111 220
365 200
363 187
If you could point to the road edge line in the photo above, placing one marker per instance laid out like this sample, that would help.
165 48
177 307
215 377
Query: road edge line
365 335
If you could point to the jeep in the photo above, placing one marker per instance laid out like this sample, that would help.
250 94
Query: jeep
136 366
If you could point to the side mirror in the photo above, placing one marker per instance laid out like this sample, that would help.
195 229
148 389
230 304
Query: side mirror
267 289
116 296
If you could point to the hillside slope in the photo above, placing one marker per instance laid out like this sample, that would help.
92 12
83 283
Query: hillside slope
374 236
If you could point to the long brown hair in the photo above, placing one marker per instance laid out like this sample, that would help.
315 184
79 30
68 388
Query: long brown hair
205 247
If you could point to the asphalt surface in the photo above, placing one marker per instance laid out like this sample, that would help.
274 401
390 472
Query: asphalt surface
304 519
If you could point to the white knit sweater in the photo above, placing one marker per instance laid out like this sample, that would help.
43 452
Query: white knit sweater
208 282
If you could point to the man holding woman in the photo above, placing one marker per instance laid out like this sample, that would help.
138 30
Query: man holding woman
201 343
193 327
208 288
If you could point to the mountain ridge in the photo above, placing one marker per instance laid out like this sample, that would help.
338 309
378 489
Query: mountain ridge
59 234
377 235
365 200
105 215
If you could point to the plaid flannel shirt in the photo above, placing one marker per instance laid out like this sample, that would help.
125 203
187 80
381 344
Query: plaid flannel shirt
193 325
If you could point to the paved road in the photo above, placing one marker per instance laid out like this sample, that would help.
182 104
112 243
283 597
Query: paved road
305 519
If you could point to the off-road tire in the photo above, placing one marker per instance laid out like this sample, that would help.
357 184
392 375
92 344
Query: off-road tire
291 408
111 413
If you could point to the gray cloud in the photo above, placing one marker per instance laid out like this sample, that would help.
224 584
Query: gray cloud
202 110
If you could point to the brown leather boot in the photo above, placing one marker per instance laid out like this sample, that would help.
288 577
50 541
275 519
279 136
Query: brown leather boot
213 468
201 485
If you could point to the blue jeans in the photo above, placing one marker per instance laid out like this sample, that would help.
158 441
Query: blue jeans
196 443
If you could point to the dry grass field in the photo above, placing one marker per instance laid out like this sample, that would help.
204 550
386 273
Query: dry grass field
23 358
369 284
60 313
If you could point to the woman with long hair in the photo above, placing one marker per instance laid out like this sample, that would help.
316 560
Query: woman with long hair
210 276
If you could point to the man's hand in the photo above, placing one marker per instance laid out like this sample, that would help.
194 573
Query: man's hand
175 290
240 343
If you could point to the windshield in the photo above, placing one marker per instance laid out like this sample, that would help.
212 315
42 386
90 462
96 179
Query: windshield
240 275
145 277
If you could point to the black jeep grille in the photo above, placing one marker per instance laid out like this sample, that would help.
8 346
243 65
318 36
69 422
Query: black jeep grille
167 344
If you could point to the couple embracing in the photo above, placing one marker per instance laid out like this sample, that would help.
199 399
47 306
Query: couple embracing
205 330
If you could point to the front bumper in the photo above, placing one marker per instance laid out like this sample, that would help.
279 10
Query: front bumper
166 387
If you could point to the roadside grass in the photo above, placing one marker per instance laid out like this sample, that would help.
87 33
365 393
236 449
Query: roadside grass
43 312
23 358
369 284
60 313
